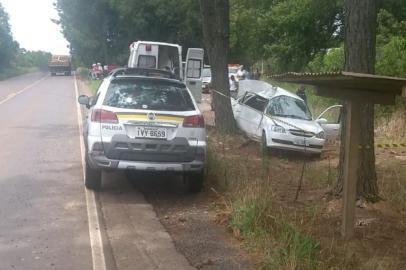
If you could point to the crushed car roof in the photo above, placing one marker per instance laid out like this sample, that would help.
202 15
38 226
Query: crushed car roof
263 89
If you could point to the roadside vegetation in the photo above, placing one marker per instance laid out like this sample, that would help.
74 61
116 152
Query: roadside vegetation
83 74
93 85
256 202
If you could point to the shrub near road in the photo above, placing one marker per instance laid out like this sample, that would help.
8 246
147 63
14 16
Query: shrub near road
256 195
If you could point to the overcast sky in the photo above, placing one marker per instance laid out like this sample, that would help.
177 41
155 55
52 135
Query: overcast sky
32 27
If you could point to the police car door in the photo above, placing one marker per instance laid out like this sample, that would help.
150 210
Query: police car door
193 72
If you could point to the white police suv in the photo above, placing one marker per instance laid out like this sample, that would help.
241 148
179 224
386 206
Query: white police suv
145 120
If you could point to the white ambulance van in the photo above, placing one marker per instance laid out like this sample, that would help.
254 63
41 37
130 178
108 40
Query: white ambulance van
167 56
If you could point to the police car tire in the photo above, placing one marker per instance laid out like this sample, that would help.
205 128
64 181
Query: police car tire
92 178
194 181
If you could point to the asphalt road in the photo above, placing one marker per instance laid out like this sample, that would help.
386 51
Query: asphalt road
44 208
43 219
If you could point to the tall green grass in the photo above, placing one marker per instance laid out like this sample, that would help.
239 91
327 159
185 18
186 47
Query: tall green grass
93 85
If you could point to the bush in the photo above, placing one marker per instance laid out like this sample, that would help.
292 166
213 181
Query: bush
82 72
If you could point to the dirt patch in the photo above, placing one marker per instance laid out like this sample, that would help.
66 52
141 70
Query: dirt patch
190 219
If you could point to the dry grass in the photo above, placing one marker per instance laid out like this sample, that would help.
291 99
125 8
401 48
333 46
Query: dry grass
392 128
257 195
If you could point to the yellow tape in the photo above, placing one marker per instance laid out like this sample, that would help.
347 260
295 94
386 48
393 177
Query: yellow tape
391 145
379 145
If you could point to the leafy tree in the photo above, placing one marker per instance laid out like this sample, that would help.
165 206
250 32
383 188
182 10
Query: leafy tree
395 7
391 45
174 21
101 31
8 47
289 33
332 60
390 49
91 28
37 59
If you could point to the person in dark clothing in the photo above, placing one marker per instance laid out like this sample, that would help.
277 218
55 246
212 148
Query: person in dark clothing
257 75
301 93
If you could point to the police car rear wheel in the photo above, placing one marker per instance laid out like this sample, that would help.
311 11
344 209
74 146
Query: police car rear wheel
194 181
92 178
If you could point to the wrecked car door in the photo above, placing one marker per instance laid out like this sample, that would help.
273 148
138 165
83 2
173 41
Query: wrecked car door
330 121
251 115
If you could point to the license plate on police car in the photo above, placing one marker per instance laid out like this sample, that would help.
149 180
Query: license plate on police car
147 132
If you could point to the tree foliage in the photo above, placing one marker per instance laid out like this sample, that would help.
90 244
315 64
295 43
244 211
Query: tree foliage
90 28
391 44
8 47
287 33
37 59
390 49
102 30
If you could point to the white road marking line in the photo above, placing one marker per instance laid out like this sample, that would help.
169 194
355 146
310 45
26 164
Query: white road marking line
12 95
99 261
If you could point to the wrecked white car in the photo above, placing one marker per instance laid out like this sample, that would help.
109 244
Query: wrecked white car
279 119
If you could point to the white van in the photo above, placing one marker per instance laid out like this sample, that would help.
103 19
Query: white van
167 56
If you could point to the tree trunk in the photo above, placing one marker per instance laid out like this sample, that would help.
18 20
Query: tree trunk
360 47
215 20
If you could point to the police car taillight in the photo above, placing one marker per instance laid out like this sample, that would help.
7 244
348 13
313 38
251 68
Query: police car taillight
193 121
104 116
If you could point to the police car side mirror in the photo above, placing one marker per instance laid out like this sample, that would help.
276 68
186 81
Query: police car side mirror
84 100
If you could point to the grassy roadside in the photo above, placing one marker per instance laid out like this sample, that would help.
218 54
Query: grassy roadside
256 202
83 74
9 73
93 85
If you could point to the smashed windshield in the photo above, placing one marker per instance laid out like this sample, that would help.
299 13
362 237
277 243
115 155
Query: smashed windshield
148 95
285 106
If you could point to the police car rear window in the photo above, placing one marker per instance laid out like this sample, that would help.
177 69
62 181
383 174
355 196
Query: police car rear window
148 95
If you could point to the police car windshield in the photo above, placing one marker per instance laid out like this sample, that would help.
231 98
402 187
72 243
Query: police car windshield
146 94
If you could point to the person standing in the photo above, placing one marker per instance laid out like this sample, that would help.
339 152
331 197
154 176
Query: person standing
242 73
233 87
301 93
257 75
